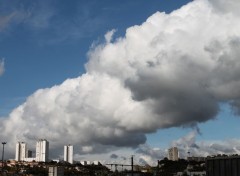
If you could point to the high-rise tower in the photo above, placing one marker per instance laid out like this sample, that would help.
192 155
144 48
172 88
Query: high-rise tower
42 150
173 154
21 150
68 153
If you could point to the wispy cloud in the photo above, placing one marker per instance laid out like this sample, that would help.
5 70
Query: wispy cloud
57 25
34 15
6 20
83 24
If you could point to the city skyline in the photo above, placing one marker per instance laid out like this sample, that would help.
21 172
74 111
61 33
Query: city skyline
42 152
23 154
116 79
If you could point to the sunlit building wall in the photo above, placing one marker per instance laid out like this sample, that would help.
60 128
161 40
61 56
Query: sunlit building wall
21 150
173 154
68 153
42 150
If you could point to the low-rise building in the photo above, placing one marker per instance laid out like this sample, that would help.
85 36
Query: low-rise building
223 166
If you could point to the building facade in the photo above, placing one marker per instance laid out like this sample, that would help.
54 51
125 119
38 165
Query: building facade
173 154
223 166
21 151
42 150
55 171
68 153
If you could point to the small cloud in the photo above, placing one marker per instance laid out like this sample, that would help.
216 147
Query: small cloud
87 149
2 68
114 156
109 35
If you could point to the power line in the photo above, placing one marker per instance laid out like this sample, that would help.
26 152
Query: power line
119 164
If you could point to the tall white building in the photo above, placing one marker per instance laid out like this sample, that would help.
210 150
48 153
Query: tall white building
42 150
68 153
21 151
173 154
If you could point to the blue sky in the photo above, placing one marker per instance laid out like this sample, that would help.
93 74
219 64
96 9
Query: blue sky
50 47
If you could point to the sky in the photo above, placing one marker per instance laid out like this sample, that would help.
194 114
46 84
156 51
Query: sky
121 78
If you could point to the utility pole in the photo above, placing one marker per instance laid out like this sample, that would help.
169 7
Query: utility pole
124 165
3 143
132 164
